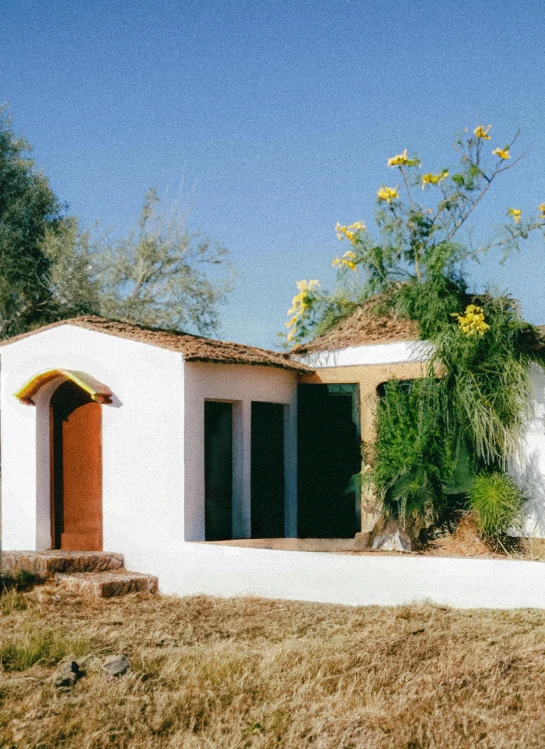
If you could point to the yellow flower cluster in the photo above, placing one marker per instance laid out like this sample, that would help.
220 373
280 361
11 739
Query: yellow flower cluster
482 132
402 159
346 261
433 179
387 193
351 232
472 321
299 305
541 209
516 214
502 153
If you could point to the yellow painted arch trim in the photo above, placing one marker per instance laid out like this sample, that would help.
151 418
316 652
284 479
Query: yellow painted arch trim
98 392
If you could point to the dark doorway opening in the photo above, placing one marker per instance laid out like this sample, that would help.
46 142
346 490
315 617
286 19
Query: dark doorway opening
328 454
76 469
267 511
218 470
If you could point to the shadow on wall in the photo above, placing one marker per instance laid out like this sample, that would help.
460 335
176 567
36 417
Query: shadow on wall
528 469
529 476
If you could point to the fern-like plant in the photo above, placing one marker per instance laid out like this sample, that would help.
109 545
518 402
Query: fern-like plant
496 501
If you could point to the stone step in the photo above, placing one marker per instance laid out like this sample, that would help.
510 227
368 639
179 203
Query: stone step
118 582
47 564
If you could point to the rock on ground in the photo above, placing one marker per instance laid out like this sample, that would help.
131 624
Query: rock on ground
67 673
116 665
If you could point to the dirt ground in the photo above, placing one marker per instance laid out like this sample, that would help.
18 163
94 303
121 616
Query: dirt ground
210 672
463 541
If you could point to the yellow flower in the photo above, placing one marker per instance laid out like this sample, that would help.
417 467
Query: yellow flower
352 232
305 286
346 261
433 179
358 226
516 214
387 193
502 153
299 304
472 321
482 132
402 159
541 209
340 230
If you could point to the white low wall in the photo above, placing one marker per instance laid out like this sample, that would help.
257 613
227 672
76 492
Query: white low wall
195 568
374 353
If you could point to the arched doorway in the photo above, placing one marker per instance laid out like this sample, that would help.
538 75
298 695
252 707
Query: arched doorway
76 469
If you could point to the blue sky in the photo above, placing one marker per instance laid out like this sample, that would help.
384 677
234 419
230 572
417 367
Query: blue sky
279 116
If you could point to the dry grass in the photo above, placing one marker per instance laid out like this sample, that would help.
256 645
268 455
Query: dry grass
251 673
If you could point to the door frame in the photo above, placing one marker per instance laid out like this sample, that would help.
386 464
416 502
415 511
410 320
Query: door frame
55 532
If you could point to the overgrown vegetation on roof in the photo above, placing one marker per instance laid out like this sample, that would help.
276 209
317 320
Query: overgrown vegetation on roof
470 417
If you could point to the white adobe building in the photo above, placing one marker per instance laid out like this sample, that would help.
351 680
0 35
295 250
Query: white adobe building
146 410
148 443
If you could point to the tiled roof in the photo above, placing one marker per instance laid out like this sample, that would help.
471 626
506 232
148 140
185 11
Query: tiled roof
361 328
192 347
365 327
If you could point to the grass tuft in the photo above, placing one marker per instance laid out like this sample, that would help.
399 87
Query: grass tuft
23 650
496 501
12 600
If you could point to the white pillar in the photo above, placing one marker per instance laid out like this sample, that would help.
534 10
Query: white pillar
290 470
242 469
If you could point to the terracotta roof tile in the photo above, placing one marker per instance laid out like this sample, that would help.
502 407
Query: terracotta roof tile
192 347
361 328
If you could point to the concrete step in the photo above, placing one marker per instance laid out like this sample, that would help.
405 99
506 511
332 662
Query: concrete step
118 582
47 564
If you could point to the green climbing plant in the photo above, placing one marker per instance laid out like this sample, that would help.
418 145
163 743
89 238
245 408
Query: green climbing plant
466 415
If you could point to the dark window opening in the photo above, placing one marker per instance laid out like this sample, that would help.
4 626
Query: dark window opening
329 456
218 470
267 503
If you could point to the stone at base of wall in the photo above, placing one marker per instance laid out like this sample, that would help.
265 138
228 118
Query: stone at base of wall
362 541
396 541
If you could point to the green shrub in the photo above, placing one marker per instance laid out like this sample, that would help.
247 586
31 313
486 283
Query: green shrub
496 501
414 459
23 580
26 580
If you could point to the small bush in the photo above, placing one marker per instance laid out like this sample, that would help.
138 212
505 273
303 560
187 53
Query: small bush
496 501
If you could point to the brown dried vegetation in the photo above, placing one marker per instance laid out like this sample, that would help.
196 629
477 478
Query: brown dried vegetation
253 673
362 327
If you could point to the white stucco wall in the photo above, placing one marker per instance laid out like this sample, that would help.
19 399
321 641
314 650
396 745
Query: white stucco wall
240 385
142 434
374 579
529 469
378 353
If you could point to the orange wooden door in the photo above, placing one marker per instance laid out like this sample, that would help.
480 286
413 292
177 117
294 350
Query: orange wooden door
76 470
